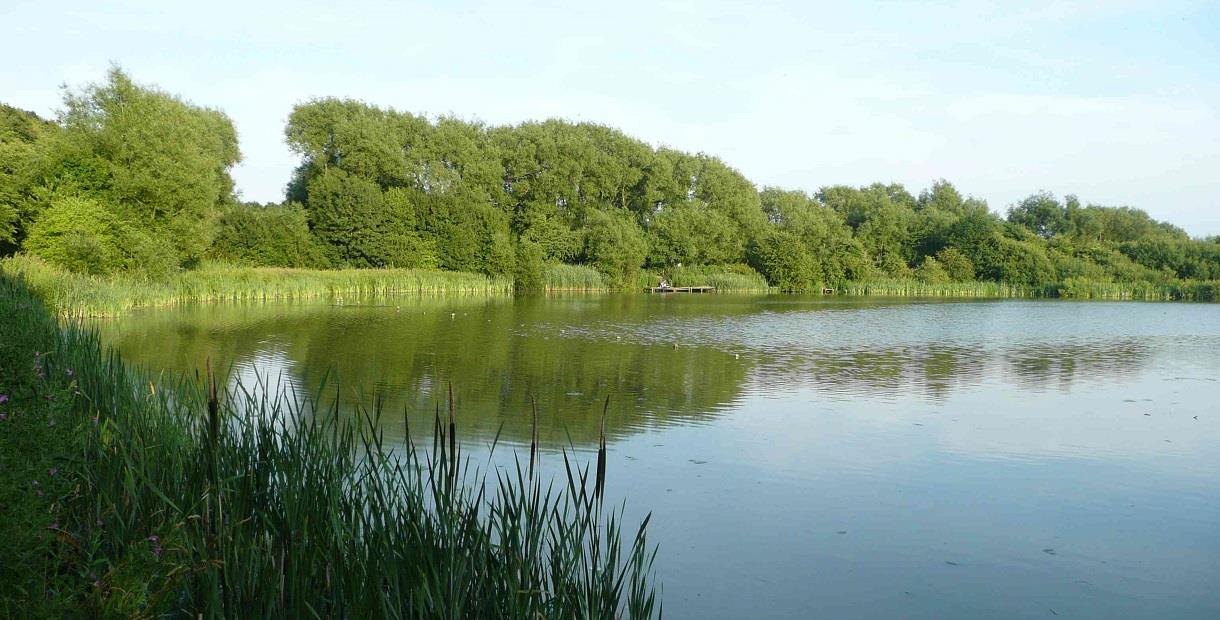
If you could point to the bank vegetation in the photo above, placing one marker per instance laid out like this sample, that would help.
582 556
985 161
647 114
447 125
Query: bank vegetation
133 181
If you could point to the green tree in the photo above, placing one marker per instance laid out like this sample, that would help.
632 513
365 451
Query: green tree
267 236
931 271
24 139
881 216
956 265
783 260
615 245
1004 259
530 266
165 162
1042 214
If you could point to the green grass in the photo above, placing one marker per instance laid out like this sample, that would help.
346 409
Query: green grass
69 293
188 502
36 439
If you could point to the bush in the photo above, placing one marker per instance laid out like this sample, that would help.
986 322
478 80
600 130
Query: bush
956 265
560 277
270 236
530 269
932 272
83 236
615 245
1017 262
781 257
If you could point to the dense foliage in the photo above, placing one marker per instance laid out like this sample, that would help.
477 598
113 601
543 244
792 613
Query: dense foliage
130 179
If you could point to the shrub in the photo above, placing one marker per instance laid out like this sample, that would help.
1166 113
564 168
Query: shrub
615 245
781 257
931 271
83 236
270 236
956 265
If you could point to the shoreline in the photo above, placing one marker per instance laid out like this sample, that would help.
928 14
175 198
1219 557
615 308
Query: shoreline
68 294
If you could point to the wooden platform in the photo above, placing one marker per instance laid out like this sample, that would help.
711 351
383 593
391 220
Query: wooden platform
681 289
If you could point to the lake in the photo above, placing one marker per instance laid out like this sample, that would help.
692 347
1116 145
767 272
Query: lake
808 456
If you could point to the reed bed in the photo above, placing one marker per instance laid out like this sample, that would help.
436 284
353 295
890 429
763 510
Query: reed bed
197 501
95 296
726 278
916 288
1073 288
560 277
1174 290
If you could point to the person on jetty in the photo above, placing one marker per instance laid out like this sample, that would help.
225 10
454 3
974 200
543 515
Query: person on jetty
663 284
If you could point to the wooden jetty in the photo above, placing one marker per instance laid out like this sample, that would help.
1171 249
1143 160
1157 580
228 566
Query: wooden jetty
680 289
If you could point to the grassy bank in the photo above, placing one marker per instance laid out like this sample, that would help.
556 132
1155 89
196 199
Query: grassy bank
72 294
172 499
65 292
36 449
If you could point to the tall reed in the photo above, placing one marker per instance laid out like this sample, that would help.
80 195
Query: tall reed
1072 288
1170 290
77 294
726 278
573 278
917 288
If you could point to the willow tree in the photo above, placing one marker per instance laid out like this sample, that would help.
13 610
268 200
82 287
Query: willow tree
159 164
23 145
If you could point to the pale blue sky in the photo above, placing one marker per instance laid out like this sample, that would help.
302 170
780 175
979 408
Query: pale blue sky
1117 102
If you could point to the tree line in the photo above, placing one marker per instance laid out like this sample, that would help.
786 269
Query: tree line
130 179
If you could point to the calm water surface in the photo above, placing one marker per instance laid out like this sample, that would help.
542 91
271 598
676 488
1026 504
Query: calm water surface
811 457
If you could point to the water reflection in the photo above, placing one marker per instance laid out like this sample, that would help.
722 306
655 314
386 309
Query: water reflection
663 361
813 456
